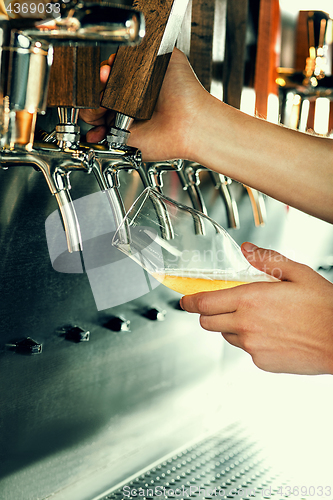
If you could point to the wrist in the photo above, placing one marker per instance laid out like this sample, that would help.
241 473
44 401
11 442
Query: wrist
200 130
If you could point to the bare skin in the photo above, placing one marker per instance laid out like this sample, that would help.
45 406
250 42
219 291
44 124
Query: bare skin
191 124
285 326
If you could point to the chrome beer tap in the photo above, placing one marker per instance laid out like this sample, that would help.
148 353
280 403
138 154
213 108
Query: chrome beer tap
109 163
26 57
154 173
222 183
55 168
189 177
25 65
106 168
191 182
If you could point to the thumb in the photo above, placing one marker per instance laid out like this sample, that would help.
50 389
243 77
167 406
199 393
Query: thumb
273 263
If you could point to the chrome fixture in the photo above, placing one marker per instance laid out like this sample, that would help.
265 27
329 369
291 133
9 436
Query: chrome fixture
191 182
119 133
25 66
55 164
154 173
109 163
26 57
87 22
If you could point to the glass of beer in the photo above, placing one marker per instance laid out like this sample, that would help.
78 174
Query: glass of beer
181 247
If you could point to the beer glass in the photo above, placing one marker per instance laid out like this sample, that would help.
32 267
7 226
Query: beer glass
181 247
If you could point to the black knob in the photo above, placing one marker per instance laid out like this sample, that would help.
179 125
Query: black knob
75 333
118 324
155 314
176 304
25 346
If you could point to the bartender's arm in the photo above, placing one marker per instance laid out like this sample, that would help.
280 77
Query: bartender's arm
189 123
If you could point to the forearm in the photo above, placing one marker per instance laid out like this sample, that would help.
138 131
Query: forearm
290 166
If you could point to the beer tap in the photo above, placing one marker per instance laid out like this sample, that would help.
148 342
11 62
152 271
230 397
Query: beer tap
258 205
189 177
309 79
191 182
156 169
132 161
26 57
55 168
132 93
222 183
107 166
25 66
154 175
188 173
316 63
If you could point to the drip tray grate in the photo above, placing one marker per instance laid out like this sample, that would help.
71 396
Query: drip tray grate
224 465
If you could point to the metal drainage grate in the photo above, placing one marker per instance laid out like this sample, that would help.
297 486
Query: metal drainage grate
226 465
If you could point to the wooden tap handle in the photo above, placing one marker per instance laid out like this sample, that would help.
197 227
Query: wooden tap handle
201 51
137 72
234 58
267 54
74 77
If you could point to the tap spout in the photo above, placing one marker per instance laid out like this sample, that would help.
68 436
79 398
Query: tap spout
155 171
135 163
109 184
55 165
109 163
190 180
189 177
221 182
154 174
70 221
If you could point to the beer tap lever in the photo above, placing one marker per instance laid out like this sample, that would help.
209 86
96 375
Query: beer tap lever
137 73
191 183
155 171
189 177
221 182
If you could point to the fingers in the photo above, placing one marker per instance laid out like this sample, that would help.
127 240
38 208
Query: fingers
93 116
211 303
104 75
227 323
97 117
232 339
105 70
96 134
274 263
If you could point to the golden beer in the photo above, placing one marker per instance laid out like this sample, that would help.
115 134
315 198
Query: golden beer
187 285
